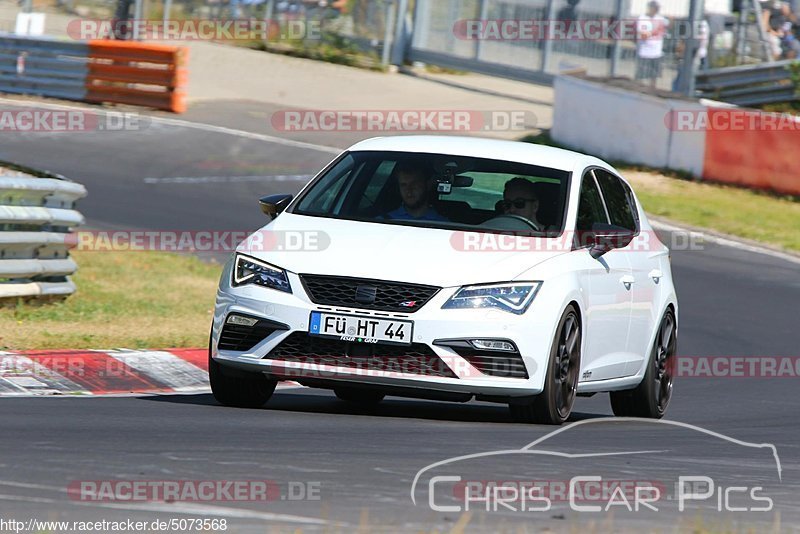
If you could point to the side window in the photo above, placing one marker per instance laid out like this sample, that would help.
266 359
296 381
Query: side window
619 200
590 205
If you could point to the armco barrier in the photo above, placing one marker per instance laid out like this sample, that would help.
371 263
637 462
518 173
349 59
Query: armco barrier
36 216
121 72
710 140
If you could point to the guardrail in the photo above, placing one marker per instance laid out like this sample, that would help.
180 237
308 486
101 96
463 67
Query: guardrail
749 85
36 217
97 71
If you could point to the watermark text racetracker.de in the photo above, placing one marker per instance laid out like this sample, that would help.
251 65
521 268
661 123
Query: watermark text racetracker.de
175 524
193 490
195 29
69 121
199 240
397 120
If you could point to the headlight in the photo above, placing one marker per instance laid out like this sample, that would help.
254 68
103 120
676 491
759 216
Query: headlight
247 270
514 297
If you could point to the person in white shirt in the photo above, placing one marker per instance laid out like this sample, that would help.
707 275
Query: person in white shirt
651 29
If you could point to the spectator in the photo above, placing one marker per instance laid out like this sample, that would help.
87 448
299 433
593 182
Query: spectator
651 28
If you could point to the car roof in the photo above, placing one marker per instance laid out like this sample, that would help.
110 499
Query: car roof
520 152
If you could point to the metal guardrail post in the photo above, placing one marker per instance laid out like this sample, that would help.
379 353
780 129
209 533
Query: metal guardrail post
547 46
483 12
616 51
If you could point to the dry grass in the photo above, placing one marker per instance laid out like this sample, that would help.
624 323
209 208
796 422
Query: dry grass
124 299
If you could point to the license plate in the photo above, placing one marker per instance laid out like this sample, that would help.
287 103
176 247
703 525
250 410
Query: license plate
361 329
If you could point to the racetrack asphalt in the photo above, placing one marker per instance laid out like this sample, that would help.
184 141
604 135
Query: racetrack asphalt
732 303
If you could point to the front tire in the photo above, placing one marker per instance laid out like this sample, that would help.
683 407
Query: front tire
651 397
250 390
554 405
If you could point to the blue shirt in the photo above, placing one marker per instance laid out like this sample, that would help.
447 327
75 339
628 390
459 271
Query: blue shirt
402 213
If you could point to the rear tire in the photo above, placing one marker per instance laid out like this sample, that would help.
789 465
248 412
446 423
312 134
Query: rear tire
364 397
252 390
554 405
651 397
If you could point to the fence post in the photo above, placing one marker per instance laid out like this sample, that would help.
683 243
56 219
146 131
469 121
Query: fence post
616 51
400 34
547 46
387 34
688 68
483 12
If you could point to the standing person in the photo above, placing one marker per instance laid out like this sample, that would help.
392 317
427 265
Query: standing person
651 29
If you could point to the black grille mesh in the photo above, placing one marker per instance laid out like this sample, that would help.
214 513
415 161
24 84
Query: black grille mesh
341 291
417 358
240 337
494 363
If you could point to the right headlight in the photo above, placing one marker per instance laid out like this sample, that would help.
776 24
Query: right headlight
514 297
249 270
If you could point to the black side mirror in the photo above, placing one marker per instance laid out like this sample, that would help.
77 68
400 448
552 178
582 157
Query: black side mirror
273 205
607 241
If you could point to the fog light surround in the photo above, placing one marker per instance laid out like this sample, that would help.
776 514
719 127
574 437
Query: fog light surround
499 345
240 320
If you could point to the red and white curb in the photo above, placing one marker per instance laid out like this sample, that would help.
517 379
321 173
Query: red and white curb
105 372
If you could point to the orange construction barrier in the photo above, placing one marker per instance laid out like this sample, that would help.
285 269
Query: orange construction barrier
139 74
754 149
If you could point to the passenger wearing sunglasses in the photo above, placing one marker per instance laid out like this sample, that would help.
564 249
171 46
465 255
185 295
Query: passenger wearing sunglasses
519 198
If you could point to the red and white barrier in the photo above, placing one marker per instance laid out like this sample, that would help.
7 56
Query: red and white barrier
710 140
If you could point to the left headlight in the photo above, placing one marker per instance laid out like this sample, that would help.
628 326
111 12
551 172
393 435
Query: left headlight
514 297
248 270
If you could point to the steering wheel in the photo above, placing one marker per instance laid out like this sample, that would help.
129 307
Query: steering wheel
520 218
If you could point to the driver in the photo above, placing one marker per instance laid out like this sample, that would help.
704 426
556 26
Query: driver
415 192
519 198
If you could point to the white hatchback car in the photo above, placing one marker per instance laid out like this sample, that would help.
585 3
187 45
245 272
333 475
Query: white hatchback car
452 268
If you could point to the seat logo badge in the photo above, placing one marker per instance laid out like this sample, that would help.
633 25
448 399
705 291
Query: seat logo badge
366 294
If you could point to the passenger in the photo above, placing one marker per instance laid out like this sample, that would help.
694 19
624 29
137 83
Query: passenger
415 193
519 198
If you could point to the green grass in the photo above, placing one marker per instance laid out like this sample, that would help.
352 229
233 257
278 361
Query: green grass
757 215
124 299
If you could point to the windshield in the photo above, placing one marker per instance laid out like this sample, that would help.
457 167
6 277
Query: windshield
440 191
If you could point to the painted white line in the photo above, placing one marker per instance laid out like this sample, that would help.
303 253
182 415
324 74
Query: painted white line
728 241
228 179
184 124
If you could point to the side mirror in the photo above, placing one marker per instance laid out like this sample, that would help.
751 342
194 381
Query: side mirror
273 205
605 242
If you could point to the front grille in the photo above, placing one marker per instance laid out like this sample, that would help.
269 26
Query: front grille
239 337
494 363
417 358
388 296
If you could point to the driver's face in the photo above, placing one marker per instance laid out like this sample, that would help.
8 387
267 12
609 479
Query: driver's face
413 189
521 202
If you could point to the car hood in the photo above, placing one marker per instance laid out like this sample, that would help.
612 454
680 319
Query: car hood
318 245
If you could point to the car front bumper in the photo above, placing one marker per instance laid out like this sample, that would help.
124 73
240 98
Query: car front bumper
531 332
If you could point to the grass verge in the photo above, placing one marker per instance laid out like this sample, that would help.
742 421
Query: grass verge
768 218
124 299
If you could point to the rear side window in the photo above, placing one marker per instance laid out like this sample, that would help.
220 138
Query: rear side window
590 206
619 200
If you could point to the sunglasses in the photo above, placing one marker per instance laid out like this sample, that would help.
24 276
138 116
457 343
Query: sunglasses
518 203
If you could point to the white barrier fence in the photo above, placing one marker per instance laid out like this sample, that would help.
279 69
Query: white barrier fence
36 216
